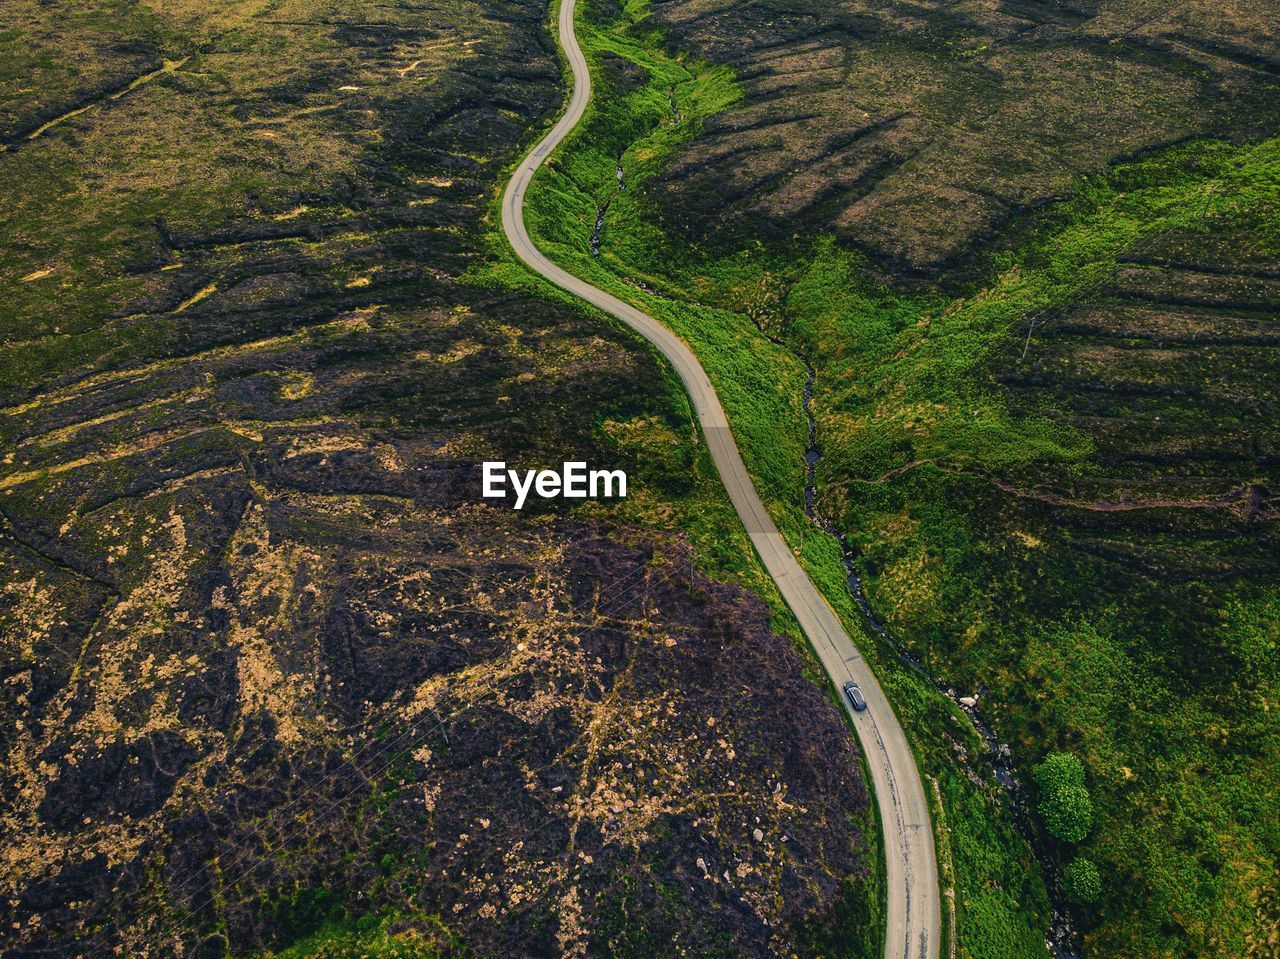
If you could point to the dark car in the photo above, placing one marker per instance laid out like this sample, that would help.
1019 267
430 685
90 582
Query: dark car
855 696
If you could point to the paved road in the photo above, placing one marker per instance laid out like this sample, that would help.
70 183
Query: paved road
914 920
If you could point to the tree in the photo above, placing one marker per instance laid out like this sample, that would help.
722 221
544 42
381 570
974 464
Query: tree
1081 880
1065 806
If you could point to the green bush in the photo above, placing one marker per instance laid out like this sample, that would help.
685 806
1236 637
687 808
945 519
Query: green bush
1081 880
1065 806
1058 770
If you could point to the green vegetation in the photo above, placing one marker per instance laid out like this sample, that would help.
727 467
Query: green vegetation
1121 635
248 351
1064 806
1081 881
638 118
373 937
299 914
1039 468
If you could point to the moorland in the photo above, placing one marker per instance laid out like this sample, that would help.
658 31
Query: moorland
998 284
276 681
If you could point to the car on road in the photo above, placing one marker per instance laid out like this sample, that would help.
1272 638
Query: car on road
855 696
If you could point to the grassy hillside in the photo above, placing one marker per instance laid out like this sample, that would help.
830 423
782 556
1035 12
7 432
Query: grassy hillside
1060 486
1054 464
647 106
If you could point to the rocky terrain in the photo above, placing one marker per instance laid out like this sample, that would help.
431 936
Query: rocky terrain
274 678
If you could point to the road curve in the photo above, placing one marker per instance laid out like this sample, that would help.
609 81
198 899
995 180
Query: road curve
913 928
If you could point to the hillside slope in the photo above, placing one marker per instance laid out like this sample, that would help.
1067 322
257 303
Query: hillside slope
274 677
1018 262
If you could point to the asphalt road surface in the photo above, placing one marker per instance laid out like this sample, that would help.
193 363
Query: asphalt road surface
914 919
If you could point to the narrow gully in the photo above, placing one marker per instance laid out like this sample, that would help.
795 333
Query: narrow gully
999 757
598 229
602 210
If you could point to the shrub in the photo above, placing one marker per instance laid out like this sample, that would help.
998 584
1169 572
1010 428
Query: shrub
1057 770
1081 880
1065 806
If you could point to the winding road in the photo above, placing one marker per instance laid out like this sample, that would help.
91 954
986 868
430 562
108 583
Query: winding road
914 918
